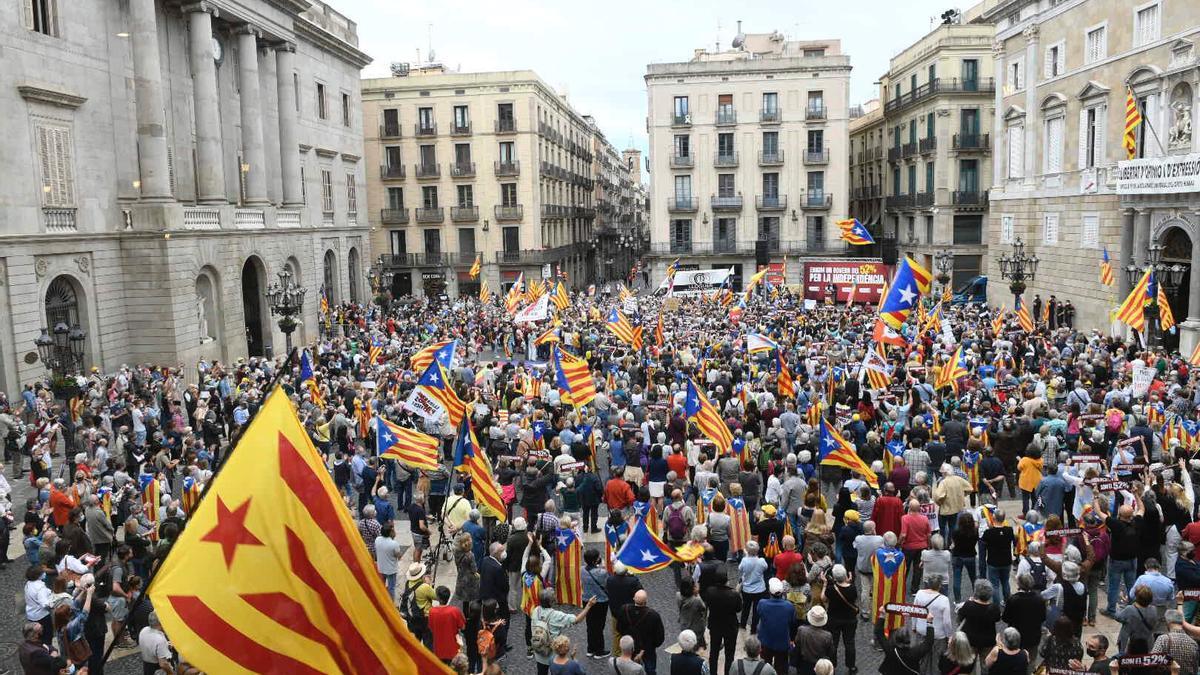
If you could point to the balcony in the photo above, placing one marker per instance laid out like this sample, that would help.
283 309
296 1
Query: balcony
900 201
682 205
770 116
771 202
726 203
433 215
512 168
462 169
541 256
923 199
770 158
509 212
464 214
725 160
908 150
726 117
463 129
684 120
427 259
395 172
59 219
927 145
970 198
682 161
875 153
812 156
727 246
389 131
428 171
506 126
894 154
815 112
952 85
817 200
425 130
968 142
393 216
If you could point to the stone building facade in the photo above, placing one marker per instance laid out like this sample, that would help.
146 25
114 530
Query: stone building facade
491 164
937 112
1065 68
868 148
748 154
163 162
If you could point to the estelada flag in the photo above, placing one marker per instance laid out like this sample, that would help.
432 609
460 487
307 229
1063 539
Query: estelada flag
888 570
407 446
271 574
645 511
568 560
614 537
739 524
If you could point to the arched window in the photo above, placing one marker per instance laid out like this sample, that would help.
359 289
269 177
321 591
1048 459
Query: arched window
62 304
352 268
329 276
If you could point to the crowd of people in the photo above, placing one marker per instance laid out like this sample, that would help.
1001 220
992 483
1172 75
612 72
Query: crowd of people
796 555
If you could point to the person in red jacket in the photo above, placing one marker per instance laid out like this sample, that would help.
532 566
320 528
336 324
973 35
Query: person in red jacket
61 503
617 493
445 623
887 512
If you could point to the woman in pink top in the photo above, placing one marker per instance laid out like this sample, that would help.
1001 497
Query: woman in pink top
914 538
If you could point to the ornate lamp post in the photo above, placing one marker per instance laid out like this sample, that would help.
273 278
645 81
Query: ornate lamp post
944 261
1017 268
1169 276
381 283
287 301
60 349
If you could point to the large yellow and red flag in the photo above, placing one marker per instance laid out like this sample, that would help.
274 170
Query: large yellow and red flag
271 574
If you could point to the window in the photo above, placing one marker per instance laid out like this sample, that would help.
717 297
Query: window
968 229
1016 74
351 194
912 82
466 241
395 198
466 196
326 191
816 140
429 197
930 130
1055 61
433 242
897 91
968 175
683 145
725 145
809 53
512 239
1089 231
725 186
54 155
1054 144
816 100
346 109
1050 229
303 187
768 231
683 188
1096 44
929 169
912 179
504 112
932 73
724 231
428 156
1006 230
41 17
912 131
508 194
462 154
968 122
970 74
771 103
815 231
1146 24
966 267
681 234
724 104
1016 151
391 122
1091 136
322 112
770 185
896 182
508 154
398 242
816 184
681 108
462 121
770 141
296 89
928 229
425 119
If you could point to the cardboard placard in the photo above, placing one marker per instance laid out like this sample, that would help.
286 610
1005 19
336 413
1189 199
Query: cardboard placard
1091 417
1065 671
572 466
1078 459
1128 468
1111 485
1064 532
1144 660
906 609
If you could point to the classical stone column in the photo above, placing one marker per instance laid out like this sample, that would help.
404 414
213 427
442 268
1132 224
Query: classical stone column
1141 240
998 58
151 118
1032 118
1126 253
289 148
254 160
1194 284
210 173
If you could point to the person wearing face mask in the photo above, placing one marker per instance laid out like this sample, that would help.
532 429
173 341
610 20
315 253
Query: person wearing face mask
493 585
38 602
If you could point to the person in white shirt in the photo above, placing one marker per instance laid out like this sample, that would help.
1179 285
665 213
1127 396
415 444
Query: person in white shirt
942 612
154 646
38 601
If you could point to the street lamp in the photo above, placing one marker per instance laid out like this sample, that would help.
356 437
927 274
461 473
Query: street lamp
944 261
60 349
1169 276
1017 268
381 282
286 300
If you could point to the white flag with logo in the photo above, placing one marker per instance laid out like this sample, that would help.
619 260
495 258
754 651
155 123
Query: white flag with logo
538 311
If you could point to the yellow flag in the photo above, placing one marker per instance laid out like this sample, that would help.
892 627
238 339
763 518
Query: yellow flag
271 574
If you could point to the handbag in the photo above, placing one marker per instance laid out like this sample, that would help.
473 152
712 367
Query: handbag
78 650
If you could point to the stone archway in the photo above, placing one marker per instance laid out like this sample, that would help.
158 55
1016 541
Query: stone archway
1176 240
65 303
329 277
254 306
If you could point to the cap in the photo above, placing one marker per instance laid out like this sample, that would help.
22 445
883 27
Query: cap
768 510
774 586
851 516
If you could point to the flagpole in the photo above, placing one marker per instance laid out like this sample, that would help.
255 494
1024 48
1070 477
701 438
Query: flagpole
283 368
1146 120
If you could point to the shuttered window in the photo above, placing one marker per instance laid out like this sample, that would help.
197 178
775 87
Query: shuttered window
54 156
326 191
1146 25
1016 151
1089 235
1054 144
1050 229
351 194
1096 46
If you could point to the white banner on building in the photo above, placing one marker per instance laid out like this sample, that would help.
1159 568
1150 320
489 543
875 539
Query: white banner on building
1159 175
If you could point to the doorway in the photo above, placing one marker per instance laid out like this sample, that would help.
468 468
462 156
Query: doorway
253 273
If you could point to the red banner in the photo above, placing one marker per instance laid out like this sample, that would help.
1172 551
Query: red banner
868 277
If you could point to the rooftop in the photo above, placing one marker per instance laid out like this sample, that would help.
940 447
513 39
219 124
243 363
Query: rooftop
752 52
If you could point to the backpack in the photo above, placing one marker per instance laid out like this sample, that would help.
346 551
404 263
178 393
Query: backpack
539 635
1038 571
410 611
676 525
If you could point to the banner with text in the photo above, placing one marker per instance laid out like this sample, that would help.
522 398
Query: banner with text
868 277
1159 175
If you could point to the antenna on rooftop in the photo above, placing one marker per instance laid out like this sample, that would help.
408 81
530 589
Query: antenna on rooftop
718 35
429 37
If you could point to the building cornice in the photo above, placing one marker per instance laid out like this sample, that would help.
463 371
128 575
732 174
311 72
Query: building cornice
291 6
318 36
58 97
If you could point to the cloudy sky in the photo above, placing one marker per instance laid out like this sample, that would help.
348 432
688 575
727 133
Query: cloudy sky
597 52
